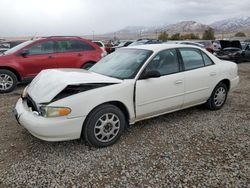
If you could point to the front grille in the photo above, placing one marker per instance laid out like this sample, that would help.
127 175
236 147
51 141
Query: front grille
31 104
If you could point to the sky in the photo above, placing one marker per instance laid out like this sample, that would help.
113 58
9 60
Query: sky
87 17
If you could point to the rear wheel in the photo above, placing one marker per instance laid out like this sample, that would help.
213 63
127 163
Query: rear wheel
218 97
8 81
87 66
104 126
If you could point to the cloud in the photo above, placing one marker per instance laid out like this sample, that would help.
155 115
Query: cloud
81 17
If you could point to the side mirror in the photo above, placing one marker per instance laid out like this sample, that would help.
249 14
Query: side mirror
24 52
150 74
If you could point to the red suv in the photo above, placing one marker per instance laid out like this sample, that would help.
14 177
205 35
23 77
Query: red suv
26 60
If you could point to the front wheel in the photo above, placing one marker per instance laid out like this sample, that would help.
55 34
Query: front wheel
8 81
104 126
218 97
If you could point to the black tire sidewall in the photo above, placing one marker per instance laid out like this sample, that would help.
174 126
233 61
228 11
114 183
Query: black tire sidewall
14 78
89 134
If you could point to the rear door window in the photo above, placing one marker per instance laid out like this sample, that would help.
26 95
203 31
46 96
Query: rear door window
73 46
192 58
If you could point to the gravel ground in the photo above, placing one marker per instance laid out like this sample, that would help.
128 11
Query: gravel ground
191 148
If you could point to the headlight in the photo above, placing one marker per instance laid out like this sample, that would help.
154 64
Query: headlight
48 111
24 93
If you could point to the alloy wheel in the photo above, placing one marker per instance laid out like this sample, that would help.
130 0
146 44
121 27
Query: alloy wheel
107 127
220 96
6 82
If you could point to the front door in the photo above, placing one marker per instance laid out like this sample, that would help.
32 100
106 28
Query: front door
40 56
156 96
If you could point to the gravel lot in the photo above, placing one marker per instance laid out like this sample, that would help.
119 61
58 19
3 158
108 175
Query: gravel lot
191 148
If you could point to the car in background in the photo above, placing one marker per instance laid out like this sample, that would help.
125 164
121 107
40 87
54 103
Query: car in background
6 45
200 43
145 41
132 84
238 55
226 48
109 46
122 44
227 45
102 46
207 44
24 61
186 42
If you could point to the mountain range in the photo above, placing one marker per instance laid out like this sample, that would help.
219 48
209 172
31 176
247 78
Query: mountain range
231 25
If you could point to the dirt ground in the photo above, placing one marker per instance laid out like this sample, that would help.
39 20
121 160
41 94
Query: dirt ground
17 145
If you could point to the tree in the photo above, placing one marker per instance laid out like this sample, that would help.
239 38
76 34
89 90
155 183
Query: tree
208 34
190 36
193 36
163 36
240 34
176 37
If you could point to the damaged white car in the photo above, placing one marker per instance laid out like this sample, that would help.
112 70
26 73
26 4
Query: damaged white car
130 85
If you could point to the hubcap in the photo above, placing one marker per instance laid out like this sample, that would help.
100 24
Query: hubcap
6 82
219 96
107 127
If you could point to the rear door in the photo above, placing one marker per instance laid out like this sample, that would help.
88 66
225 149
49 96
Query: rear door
200 76
40 56
74 53
159 95
66 55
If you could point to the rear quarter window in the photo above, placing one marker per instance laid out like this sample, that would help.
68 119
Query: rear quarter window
207 59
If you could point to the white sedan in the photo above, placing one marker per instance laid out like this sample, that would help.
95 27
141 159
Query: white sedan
132 84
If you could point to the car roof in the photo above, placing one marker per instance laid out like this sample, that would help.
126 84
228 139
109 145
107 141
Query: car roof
160 47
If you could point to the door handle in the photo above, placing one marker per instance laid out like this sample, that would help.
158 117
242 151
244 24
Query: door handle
79 55
50 57
178 82
212 73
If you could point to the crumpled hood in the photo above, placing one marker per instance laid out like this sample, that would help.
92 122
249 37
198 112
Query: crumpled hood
48 83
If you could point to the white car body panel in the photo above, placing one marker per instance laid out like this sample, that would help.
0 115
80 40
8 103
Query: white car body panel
199 84
92 98
142 99
49 129
157 95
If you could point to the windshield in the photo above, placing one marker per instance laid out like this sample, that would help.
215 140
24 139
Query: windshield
122 64
18 47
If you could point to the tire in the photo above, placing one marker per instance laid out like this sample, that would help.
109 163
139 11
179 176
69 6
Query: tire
218 97
87 66
104 126
8 81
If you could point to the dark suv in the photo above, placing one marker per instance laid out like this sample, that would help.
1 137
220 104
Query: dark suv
27 59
